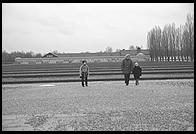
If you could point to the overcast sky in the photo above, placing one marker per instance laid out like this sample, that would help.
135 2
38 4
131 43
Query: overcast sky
82 27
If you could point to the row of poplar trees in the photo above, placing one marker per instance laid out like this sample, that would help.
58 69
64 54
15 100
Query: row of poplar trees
171 43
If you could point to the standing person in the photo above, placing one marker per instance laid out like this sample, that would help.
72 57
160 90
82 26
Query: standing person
84 73
137 72
127 67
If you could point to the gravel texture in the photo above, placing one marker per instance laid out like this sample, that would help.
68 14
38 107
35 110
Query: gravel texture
166 105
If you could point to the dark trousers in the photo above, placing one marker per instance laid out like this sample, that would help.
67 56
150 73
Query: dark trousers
127 78
136 77
137 81
84 78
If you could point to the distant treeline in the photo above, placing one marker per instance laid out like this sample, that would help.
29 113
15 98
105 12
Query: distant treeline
171 43
8 58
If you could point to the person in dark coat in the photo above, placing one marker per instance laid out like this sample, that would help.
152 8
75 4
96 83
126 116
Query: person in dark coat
84 73
126 68
137 72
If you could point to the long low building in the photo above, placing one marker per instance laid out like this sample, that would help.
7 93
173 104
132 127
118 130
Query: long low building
54 59
51 58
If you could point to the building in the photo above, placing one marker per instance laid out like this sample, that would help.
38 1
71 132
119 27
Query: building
50 55
51 58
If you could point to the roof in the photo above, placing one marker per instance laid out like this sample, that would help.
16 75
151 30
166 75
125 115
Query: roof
50 55
121 53
140 54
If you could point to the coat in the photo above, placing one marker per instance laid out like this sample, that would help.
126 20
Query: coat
137 72
84 69
127 66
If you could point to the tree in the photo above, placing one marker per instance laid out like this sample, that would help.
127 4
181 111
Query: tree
7 58
152 44
189 27
181 45
10 57
164 43
149 45
39 55
108 49
171 42
118 50
29 54
177 42
158 42
138 49
131 47
55 52
185 43
167 42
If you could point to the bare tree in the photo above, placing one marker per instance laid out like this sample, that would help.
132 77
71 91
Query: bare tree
167 44
109 50
177 42
172 42
189 26
150 44
173 39
138 49
164 43
158 42
118 50
185 43
55 52
131 47
181 43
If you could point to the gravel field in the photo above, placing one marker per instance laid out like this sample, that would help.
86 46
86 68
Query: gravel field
158 105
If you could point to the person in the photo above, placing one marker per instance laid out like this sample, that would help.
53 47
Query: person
137 72
126 68
84 73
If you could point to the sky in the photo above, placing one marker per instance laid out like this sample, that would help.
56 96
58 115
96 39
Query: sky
85 27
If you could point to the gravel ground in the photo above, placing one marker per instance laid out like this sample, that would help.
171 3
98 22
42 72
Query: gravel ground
159 105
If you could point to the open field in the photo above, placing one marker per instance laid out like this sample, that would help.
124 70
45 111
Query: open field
13 74
152 106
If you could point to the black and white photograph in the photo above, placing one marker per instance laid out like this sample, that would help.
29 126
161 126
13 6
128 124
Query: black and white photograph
97 66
